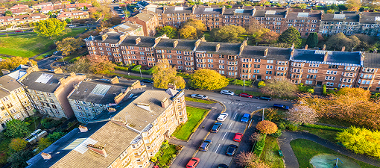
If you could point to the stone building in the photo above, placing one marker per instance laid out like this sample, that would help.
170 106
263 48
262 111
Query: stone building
148 21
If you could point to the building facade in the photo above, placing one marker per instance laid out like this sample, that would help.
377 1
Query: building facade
21 19
148 20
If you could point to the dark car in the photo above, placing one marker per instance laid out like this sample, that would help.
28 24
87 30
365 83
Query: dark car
245 118
205 144
280 106
265 98
245 95
147 81
231 150
222 166
46 56
216 127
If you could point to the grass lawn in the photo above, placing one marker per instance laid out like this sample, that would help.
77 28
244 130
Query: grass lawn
237 92
167 154
325 134
126 76
199 100
29 45
194 116
305 150
239 82
270 153
334 121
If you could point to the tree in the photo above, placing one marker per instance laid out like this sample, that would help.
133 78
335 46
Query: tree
290 36
50 28
266 127
206 79
353 5
18 160
100 64
42 144
8 13
16 128
312 40
81 66
331 11
245 159
170 31
69 45
17 144
188 32
68 20
95 4
164 73
261 84
338 41
270 37
55 136
229 33
302 114
280 87
14 62
197 24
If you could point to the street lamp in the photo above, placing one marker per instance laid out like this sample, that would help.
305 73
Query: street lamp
140 73
243 85
262 118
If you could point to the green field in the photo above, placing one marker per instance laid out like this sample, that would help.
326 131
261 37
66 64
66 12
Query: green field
194 116
270 153
29 45
305 150
200 100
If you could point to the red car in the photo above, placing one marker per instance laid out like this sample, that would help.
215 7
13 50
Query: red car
238 137
193 162
245 95
18 31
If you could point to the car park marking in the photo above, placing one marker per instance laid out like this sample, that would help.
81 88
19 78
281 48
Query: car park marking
224 135
217 148
230 126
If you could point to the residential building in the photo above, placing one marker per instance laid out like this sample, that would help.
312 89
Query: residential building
49 90
77 6
368 75
148 20
346 23
304 22
73 15
129 28
370 23
20 9
128 137
21 19
14 102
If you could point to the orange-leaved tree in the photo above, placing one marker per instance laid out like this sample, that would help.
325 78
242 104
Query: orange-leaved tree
266 127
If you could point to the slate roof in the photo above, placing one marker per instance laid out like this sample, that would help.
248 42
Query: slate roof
335 57
346 18
274 53
207 10
183 45
311 16
144 16
113 37
225 48
263 13
8 84
370 18
145 41
177 9
371 60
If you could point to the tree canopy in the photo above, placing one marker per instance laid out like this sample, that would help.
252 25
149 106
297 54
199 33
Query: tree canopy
266 127
280 88
100 64
17 144
8 13
290 36
14 62
338 41
18 160
188 32
206 79
69 45
197 24
164 73
353 5
312 40
51 27
302 114
170 31
16 129
229 33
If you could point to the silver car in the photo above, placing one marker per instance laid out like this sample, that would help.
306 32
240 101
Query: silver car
226 92
222 117
198 96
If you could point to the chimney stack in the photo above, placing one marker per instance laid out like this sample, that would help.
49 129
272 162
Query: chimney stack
138 40
217 47
82 128
114 80
97 149
325 56
343 48
292 46
175 43
266 52
306 46
5 71
46 156
104 36
165 103
324 47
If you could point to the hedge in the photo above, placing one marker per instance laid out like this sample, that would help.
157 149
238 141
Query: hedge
324 90
121 68
259 147
324 127
137 70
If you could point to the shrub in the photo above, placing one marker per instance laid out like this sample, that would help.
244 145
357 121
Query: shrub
281 126
266 127
311 91
121 68
153 159
324 127
260 145
272 115
178 147
324 90
276 134
261 84
55 136
49 123
137 68
292 127
164 146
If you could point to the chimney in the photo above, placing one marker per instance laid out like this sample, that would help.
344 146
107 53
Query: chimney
203 38
97 149
46 156
306 46
223 9
175 43
58 71
5 71
165 103
324 47
193 8
82 128
217 47
122 37
325 57
266 52
138 40
343 48
197 43
104 36
114 80
172 86
291 54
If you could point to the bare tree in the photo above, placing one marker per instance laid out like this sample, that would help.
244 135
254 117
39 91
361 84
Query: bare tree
245 159
302 114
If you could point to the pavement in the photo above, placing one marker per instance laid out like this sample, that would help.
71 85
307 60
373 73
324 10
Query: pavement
291 160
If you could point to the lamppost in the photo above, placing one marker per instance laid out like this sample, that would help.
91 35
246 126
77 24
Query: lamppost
140 74
244 85
262 118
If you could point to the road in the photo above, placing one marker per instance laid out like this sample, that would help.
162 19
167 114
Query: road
235 107
116 9
45 63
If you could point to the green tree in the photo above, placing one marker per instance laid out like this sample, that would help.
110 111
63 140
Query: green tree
170 31
81 66
312 40
42 144
338 41
290 36
188 32
229 33
55 136
69 45
164 73
280 87
8 13
17 144
16 128
50 28
206 79
68 20
18 160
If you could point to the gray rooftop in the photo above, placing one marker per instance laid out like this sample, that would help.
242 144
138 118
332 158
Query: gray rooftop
270 13
371 60
274 53
113 37
341 17
145 16
370 18
225 48
334 57
44 81
145 41
183 45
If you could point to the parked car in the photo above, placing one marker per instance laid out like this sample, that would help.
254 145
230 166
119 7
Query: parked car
231 150
18 31
245 118
226 92
280 106
46 56
198 96
265 98
245 95
222 166
216 127
147 81
193 162
205 144
222 117
238 137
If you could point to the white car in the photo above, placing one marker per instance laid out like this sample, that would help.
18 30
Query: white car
226 92
222 117
199 96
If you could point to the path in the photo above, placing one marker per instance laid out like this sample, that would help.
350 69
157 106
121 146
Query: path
291 160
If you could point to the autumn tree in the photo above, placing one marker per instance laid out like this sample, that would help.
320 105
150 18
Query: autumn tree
14 62
290 36
206 79
188 32
42 144
69 45
51 27
16 128
164 73
81 66
270 37
229 33
197 24
353 5
302 114
245 159
100 64
338 41
266 127
279 87
17 144
312 40
170 31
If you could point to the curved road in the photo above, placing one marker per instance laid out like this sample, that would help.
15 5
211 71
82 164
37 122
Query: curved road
291 160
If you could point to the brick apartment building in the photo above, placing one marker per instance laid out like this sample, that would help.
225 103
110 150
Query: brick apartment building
21 19
148 20
73 15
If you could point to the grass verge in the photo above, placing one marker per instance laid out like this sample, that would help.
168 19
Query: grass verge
325 134
194 116
305 150
270 153
200 100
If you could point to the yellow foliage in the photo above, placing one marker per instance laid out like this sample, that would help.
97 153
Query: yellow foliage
206 79
188 32
164 73
14 62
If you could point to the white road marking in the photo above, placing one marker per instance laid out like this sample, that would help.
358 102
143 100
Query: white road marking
217 148
230 126
224 135
235 115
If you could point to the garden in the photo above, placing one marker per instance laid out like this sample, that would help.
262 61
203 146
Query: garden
200 100
166 155
194 118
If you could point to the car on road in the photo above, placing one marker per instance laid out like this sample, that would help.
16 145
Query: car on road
226 92
205 144
216 127
222 166
237 137
280 106
198 96
46 56
245 118
245 95
193 162
18 31
147 81
231 150
265 98
222 117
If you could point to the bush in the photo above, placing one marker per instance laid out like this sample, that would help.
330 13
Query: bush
178 147
261 84
281 126
137 68
311 91
48 123
55 136
276 134
164 146
324 127
324 90
292 127
260 145
266 127
305 89
121 68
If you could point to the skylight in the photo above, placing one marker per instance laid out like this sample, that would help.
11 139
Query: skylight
44 78
100 89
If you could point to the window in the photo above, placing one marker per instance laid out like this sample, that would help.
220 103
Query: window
329 78
256 65
329 84
312 70
308 82
269 61
269 67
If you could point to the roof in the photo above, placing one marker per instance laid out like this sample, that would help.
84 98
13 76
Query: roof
371 60
334 57
8 84
274 53
168 44
144 16
341 17
112 37
145 41
303 15
126 27
207 10
45 81
370 18
270 13
177 9
225 48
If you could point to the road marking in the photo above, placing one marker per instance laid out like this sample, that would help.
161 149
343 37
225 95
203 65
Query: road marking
235 115
217 148
224 135
230 126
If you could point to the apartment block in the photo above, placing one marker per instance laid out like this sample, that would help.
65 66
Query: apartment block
21 19
346 23
368 75
73 15
14 102
128 138
49 90
148 21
